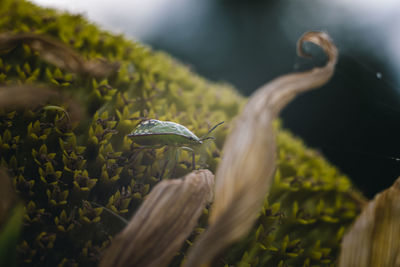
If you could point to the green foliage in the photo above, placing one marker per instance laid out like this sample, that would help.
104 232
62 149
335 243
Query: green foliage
305 214
63 171
9 236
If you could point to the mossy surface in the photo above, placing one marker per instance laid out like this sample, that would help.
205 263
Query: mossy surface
305 215
66 172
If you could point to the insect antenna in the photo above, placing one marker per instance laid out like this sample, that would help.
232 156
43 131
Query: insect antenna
204 137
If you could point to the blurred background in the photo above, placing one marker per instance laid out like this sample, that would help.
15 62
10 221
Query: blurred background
353 121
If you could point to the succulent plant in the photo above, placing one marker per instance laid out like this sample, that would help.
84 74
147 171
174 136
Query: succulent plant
70 94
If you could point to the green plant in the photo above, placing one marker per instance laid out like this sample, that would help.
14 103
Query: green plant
62 156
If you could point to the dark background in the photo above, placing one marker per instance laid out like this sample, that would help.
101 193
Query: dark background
353 121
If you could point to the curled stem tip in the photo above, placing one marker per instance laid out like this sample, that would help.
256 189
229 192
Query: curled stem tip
247 167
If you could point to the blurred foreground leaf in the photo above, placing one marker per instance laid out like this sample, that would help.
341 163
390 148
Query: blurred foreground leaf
9 237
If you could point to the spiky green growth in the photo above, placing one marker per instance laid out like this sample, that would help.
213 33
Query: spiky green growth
64 172
305 214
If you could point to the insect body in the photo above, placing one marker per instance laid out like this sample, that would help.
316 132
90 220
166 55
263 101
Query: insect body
154 133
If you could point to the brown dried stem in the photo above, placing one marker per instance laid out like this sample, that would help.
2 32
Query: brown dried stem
162 223
58 53
374 239
17 96
30 96
247 167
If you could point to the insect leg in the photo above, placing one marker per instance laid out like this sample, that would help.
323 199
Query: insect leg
150 147
193 156
122 219
172 160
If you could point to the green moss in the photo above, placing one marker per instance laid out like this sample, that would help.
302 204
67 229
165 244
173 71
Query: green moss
64 171
305 214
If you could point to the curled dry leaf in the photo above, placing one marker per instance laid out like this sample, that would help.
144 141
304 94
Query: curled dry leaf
374 239
29 96
58 53
162 223
246 170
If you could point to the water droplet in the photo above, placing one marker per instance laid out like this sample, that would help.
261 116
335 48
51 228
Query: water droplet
379 75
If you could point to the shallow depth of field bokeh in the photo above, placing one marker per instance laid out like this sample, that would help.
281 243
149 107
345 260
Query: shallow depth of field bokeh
353 121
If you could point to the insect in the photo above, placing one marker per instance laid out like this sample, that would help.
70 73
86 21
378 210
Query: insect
155 134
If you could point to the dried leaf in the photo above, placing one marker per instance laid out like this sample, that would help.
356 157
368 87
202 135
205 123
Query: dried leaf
374 239
247 167
57 53
29 96
162 223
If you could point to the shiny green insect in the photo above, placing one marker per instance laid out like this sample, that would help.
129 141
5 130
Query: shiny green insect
155 134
